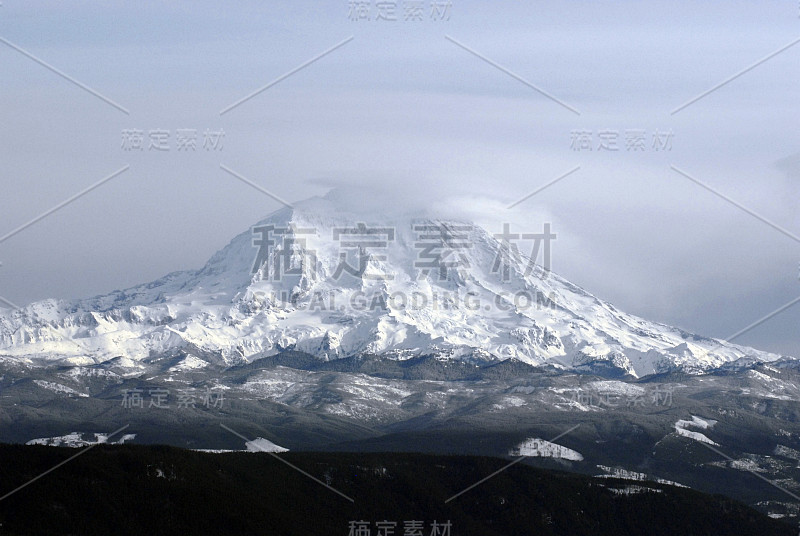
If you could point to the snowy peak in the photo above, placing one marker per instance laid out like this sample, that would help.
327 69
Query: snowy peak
330 283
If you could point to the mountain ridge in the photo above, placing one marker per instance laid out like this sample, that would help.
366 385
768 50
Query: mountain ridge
331 283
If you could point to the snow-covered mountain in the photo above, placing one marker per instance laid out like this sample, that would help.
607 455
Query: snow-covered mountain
322 281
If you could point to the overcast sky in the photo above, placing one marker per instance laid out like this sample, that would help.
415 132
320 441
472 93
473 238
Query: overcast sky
405 107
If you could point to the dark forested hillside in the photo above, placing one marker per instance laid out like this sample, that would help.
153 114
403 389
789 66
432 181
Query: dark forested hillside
163 490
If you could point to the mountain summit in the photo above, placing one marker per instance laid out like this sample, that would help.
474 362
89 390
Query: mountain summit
317 280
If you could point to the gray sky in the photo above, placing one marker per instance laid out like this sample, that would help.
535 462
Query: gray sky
402 109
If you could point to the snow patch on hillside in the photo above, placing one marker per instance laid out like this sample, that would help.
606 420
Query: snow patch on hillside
190 362
697 422
260 444
634 490
79 439
624 474
536 447
614 387
58 388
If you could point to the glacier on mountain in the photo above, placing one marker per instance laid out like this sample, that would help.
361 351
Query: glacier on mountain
238 309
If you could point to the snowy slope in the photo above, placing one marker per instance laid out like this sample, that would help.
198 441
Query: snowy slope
534 447
394 308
